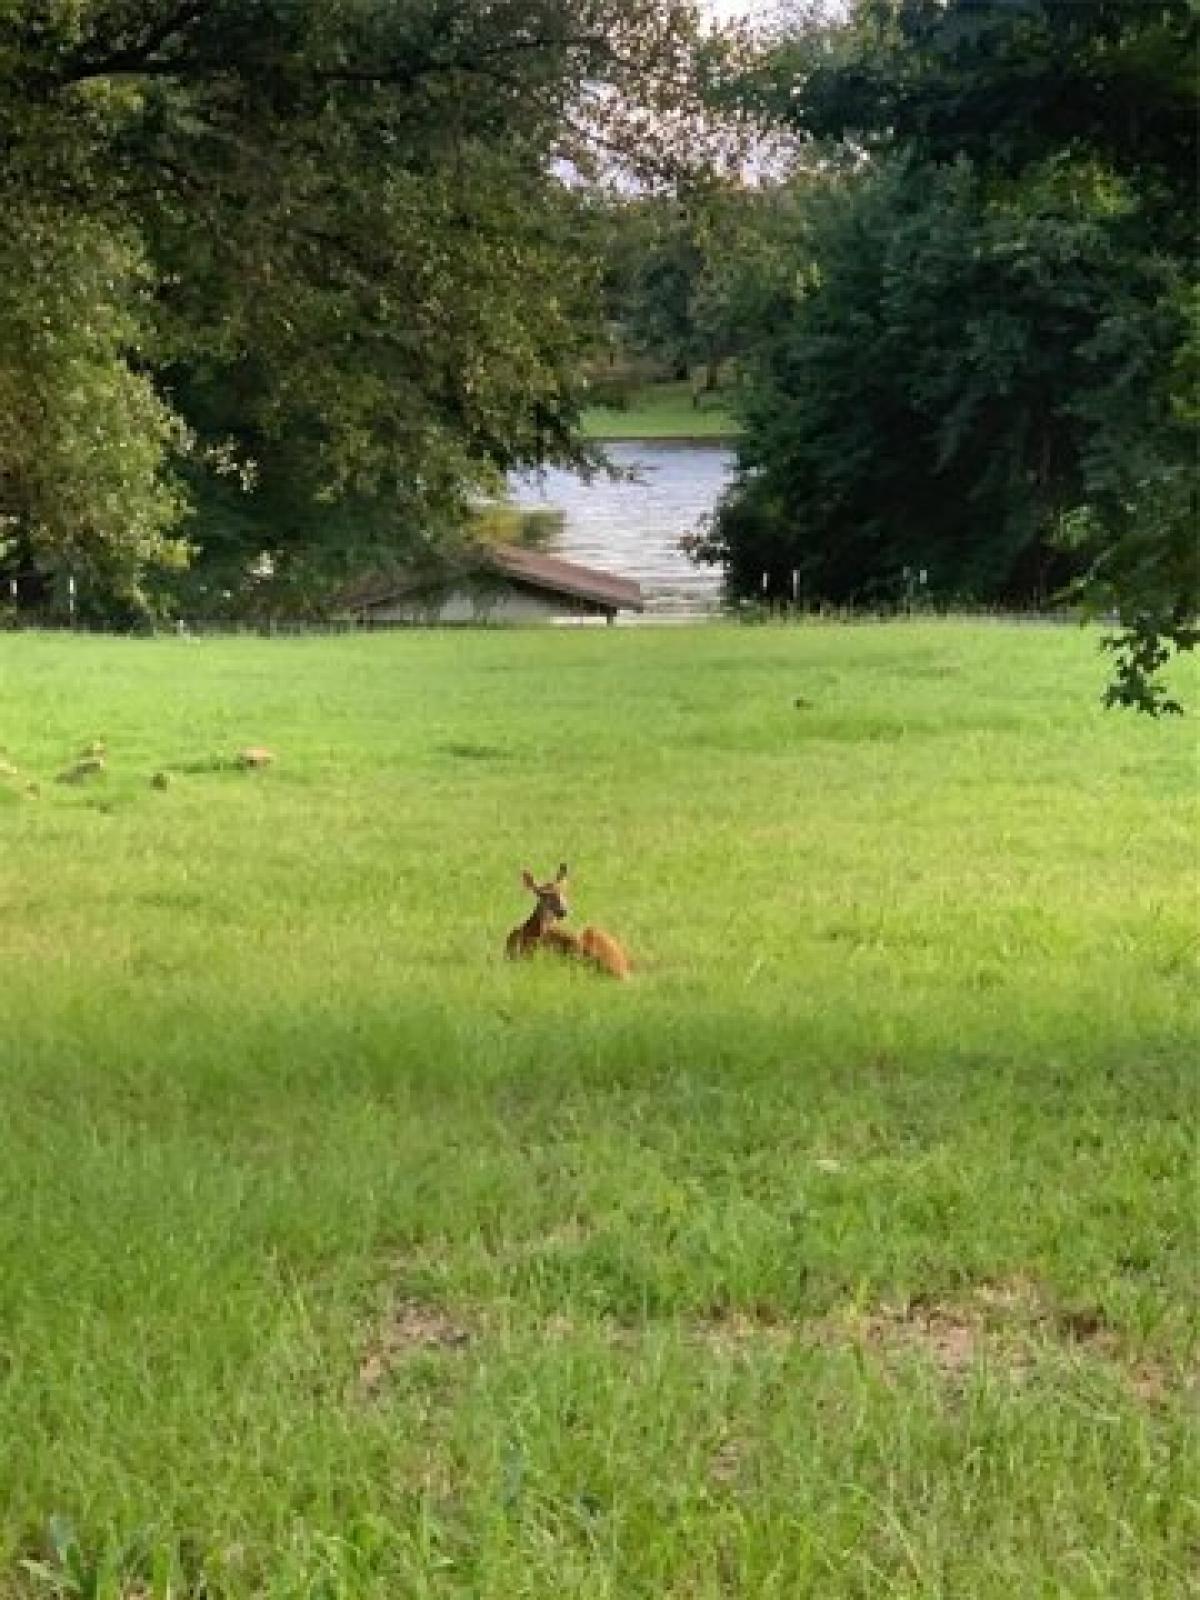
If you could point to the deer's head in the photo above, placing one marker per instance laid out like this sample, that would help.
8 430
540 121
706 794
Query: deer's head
551 896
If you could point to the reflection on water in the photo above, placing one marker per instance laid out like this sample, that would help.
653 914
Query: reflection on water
634 528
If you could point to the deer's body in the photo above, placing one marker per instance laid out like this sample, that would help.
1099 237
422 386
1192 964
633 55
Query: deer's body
535 934
603 951
540 931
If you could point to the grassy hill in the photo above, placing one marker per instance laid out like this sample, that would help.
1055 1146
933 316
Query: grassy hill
848 1250
664 411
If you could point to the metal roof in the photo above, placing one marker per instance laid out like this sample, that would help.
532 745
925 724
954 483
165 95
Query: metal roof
530 568
565 577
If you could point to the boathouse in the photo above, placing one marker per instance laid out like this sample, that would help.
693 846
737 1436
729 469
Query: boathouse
491 584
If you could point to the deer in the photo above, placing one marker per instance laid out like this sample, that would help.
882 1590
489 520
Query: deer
540 931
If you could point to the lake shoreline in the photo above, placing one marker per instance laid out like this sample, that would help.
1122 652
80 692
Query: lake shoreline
728 440
662 413
634 526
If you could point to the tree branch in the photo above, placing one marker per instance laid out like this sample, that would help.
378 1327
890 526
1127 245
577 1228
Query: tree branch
137 59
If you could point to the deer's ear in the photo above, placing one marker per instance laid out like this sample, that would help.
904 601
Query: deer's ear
528 880
562 872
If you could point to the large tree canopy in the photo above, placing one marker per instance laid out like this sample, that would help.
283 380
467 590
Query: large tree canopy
1003 82
983 366
306 266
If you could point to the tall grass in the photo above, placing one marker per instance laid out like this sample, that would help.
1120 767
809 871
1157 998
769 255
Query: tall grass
846 1251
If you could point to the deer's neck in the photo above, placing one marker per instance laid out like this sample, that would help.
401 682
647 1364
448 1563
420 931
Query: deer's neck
537 924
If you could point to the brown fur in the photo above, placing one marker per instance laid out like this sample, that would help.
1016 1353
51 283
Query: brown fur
540 931
603 950
536 934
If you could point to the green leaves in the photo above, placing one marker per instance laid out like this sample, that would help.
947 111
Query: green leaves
340 257
83 432
988 370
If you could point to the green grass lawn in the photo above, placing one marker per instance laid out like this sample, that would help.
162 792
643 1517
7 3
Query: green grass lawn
847 1251
664 411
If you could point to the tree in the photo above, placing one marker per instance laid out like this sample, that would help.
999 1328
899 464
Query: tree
1008 340
1005 83
333 257
665 257
83 433
684 270
950 382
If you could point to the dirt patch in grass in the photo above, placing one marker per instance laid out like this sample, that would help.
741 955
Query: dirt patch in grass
411 1326
727 1465
1009 1324
952 1341
1000 1320
730 1330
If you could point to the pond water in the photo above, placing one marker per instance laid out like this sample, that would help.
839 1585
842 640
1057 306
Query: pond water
634 528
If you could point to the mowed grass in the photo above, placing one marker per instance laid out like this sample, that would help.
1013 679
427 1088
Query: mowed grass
848 1250
664 411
